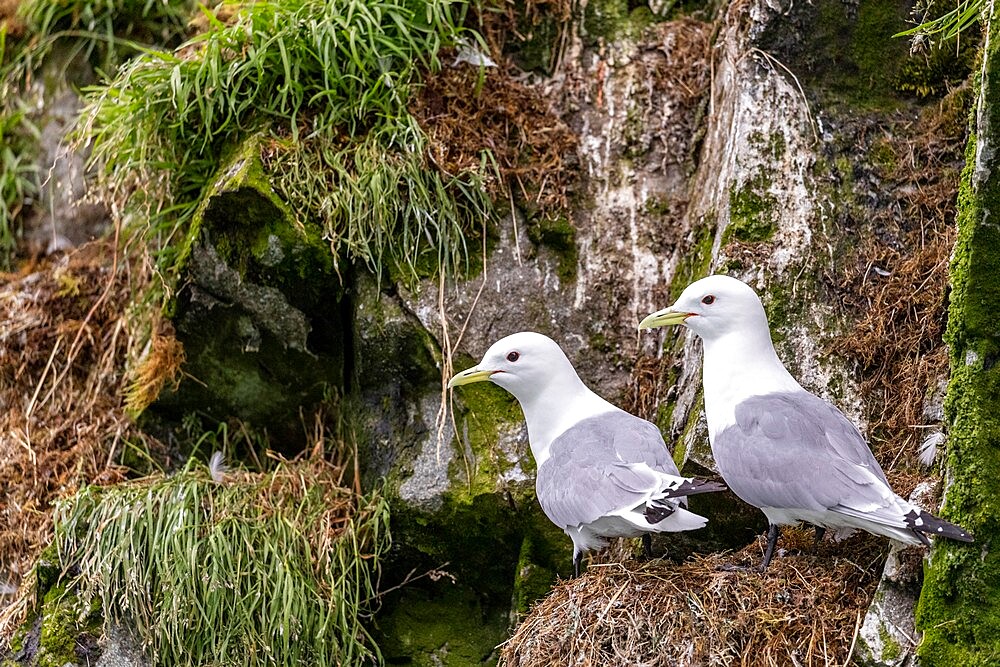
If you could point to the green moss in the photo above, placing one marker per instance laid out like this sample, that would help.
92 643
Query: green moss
613 19
559 235
773 145
65 617
697 258
701 452
658 206
891 649
752 212
846 53
883 155
533 579
446 626
959 607
935 73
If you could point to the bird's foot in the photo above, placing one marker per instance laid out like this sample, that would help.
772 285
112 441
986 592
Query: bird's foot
647 546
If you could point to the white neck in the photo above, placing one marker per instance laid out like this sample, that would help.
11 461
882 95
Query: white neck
562 403
737 366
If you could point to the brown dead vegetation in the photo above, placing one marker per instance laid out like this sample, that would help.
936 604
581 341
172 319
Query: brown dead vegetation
900 289
64 341
804 610
9 20
465 115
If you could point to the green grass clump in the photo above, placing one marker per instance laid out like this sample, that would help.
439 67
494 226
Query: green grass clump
265 569
103 32
18 177
963 15
329 81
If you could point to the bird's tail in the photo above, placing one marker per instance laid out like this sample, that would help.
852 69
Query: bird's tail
924 523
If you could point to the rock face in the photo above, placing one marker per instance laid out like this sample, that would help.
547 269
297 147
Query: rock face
260 310
686 169
62 218
760 142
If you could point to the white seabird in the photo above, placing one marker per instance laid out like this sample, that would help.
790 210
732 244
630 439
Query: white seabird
778 447
602 472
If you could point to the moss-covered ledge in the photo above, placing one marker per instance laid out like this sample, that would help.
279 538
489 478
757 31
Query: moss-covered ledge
959 609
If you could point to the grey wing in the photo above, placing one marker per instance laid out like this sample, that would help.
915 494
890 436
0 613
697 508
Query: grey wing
638 440
594 469
798 451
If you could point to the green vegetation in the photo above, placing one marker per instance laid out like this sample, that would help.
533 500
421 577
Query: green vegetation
948 25
18 175
612 19
960 598
751 212
268 569
450 627
103 32
696 261
560 235
850 59
333 76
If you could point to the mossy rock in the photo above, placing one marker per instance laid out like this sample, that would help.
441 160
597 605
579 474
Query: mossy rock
846 52
261 312
441 625
559 235
607 20
63 630
753 212
467 507
959 602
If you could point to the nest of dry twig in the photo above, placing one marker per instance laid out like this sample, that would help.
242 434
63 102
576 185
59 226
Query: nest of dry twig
65 337
803 611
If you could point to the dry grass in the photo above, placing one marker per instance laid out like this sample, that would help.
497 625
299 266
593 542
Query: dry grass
803 611
897 341
64 339
160 365
528 141
9 20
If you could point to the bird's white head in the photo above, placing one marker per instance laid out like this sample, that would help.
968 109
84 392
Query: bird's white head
526 364
714 307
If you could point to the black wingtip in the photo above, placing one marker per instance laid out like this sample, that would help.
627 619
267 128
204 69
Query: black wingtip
924 523
657 513
694 486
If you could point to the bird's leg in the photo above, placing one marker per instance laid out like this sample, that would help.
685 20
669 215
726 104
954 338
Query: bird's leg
772 540
577 557
820 531
647 545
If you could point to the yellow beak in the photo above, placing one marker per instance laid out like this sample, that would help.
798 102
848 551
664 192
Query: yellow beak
662 318
469 376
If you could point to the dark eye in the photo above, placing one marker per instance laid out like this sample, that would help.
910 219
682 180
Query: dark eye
708 299
513 356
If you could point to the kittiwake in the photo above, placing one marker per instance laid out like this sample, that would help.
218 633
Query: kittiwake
777 446
602 472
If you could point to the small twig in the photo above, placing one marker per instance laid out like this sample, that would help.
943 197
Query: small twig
74 349
767 56
854 640
434 575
